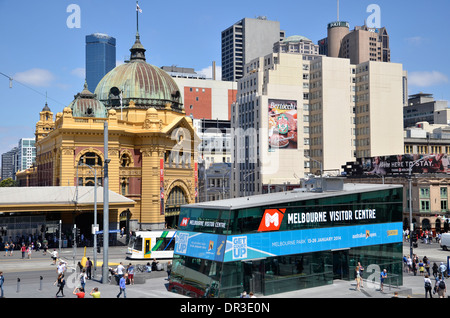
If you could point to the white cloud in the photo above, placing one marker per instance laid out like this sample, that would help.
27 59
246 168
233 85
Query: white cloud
207 71
35 76
416 40
426 79
79 72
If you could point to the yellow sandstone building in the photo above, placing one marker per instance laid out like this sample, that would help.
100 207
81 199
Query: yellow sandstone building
151 144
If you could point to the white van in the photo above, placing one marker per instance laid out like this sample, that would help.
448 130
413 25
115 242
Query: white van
445 241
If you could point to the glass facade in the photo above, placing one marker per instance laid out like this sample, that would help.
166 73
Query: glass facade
277 248
100 58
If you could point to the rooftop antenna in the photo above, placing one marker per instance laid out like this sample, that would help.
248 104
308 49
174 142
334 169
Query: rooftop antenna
338 10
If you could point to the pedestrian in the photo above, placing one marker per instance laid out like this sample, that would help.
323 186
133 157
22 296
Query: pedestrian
2 280
361 272
120 270
427 285
29 250
95 293
11 248
383 276
61 269
130 272
435 269
54 256
60 282
410 265
357 277
442 288
23 249
79 292
443 269
122 286
88 267
83 278
169 269
6 248
421 268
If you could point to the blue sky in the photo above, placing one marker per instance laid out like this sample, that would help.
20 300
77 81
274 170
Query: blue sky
44 56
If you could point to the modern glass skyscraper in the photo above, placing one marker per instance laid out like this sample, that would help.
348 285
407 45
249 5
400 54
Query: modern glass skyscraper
100 57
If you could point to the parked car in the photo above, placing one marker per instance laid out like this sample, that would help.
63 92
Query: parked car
445 241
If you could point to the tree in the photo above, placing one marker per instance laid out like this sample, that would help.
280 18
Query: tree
8 183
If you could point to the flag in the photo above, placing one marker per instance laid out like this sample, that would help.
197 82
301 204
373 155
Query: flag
138 8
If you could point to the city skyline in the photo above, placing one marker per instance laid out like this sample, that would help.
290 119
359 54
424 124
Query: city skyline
44 48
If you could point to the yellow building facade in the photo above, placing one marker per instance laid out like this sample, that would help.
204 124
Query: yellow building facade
151 143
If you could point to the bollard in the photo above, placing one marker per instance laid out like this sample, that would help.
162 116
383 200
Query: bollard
40 282
18 284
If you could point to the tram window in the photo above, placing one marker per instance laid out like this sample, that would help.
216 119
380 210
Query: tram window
138 243
165 244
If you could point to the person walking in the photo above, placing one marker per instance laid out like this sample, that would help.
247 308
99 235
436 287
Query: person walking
2 280
6 248
122 286
383 276
88 267
435 269
60 282
83 278
169 269
361 272
427 285
443 269
442 288
357 277
130 272
23 249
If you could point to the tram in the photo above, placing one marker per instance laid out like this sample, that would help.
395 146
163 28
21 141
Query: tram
151 244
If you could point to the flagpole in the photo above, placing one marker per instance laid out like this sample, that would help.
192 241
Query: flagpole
137 17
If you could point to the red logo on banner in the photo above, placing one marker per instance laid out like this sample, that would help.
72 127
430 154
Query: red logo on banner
184 222
271 220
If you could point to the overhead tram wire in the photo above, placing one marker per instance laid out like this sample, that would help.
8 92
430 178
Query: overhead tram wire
34 90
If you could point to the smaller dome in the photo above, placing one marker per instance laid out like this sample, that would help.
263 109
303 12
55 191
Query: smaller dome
86 104
297 38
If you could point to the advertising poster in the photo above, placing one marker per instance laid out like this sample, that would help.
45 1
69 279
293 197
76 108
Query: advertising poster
201 245
270 244
161 185
282 124
399 165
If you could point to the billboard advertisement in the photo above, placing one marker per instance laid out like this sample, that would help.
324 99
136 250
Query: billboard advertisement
232 248
400 164
282 124
270 244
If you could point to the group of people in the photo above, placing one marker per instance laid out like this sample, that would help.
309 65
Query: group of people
359 270
424 268
83 276
426 236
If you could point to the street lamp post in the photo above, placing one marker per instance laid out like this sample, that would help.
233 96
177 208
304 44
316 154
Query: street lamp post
411 225
95 211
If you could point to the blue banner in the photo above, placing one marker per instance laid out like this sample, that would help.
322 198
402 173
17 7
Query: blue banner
269 244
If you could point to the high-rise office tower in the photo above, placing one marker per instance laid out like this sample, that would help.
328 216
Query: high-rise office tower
100 57
360 45
295 116
9 163
246 40
26 153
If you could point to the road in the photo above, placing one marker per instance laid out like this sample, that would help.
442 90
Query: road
30 271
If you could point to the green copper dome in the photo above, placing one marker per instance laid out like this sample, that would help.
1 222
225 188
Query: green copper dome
86 104
138 81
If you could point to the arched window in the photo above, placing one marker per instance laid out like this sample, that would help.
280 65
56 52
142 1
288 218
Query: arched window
125 160
91 159
176 197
